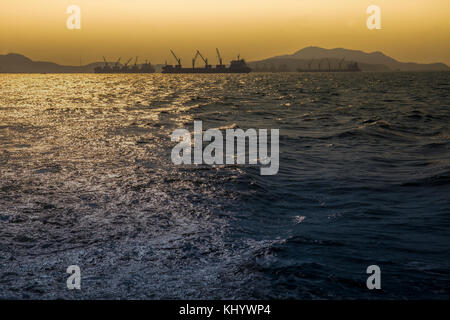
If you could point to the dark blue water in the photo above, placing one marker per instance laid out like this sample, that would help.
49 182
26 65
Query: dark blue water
87 179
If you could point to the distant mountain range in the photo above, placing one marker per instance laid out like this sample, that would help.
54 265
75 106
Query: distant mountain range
310 57
17 63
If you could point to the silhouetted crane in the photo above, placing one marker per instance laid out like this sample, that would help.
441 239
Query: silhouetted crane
116 66
194 59
176 58
205 60
106 68
126 64
135 67
220 65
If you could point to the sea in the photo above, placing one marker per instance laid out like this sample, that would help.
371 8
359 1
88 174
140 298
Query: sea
86 179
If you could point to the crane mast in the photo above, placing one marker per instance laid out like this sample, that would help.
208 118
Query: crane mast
176 58
205 60
116 67
194 59
126 64
220 58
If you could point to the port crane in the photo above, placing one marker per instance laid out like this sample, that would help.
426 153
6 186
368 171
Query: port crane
329 66
126 64
116 65
194 59
205 60
310 63
340 63
176 58
135 67
220 65
106 68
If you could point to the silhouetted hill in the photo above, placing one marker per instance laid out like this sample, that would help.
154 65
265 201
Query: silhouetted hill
374 61
17 63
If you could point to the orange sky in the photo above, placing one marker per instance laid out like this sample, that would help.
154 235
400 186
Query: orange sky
412 30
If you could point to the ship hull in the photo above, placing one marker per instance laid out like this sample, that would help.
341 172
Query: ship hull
203 71
318 70
123 72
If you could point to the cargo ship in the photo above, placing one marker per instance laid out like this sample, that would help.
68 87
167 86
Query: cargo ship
236 66
117 68
351 67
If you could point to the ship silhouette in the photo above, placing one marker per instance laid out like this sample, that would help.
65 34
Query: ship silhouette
236 66
351 67
106 68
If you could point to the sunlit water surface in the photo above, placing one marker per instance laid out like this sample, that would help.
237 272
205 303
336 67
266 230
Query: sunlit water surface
87 179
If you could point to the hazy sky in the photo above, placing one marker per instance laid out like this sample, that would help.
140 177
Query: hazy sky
412 30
